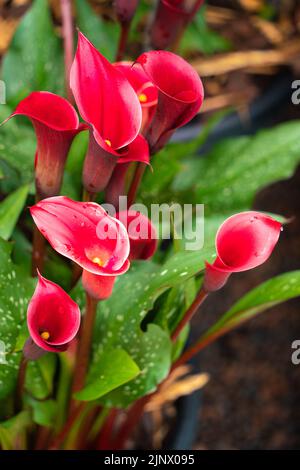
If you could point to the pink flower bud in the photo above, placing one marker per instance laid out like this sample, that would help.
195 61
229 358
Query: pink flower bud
53 318
244 241
142 234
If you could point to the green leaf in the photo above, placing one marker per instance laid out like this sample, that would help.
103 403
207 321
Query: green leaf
44 412
34 60
272 292
39 376
119 319
114 369
227 179
10 210
103 34
17 150
15 291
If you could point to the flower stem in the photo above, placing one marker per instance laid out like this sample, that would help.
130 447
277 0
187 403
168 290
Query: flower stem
84 346
67 29
201 296
131 422
21 383
122 41
38 252
204 341
135 183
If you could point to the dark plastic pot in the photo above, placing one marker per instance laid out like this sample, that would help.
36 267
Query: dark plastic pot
262 113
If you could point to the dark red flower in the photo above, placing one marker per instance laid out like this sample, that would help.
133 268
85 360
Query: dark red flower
180 94
84 233
109 104
125 10
244 241
98 287
56 123
147 92
53 318
142 234
171 18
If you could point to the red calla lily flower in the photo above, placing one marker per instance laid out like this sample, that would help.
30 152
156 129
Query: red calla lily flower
56 123
142 234
109 104
125 10
98 287
53 318
244 241
99 165
146 92
179 98
84 233
171 17
105 98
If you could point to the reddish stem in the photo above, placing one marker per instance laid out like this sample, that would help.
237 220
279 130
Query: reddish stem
105 440
196 348
68 426
67 30
84 346
131 422
21 383
135 183
201 296
122 41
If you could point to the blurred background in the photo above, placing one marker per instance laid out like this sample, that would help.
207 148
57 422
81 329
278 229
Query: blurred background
248 54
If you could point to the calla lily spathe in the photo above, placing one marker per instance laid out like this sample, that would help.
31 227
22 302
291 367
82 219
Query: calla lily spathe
53 318
171 18
56 124
179 98
110 106
84 233
142 234
244 241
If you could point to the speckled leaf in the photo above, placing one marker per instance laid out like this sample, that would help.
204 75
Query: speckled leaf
15 291
272 292
114 369
119 322
17 150
39 376
228 178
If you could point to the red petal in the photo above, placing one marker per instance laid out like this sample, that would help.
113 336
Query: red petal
246 240
142 234
179 98
52 311
84 233
137 151
104 97
98 287
56 123
140 83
